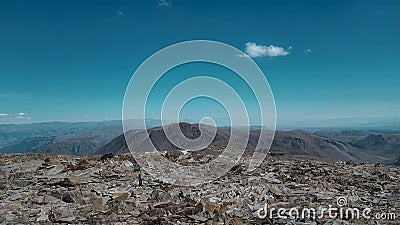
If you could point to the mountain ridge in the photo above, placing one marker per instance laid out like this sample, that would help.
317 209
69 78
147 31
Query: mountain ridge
297 142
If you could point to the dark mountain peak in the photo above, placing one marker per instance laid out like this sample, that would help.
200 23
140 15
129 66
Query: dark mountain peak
375 137
182 125
158 137
372 141
185 124
191 131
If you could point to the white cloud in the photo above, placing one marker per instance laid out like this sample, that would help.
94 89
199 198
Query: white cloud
290 47
164 3
22 116
3 114
308 50
253 50
120 13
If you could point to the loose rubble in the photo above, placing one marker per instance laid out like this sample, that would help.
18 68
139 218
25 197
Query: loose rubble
39 188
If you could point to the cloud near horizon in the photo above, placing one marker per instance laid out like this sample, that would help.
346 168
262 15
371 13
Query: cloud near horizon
22 116
253 50
19 116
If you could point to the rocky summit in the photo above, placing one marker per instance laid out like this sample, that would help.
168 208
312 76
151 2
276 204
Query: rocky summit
43 188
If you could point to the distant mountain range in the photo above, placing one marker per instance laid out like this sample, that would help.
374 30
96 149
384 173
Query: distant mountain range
369 148
79 138
58 137
84 138
384 145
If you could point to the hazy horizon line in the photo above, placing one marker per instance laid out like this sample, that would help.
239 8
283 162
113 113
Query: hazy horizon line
341 123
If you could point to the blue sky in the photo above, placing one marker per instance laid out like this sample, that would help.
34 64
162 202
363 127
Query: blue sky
72 60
